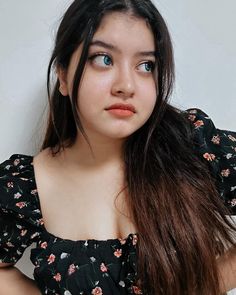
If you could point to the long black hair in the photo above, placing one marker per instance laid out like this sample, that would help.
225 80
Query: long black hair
174 203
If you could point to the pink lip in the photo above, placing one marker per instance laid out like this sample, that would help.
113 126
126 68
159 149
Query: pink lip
121 106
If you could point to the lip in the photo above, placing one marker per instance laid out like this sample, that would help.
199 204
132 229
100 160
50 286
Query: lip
122 106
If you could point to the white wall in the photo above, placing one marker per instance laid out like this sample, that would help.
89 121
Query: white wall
204 39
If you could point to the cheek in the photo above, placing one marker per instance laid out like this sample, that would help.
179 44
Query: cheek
94 87
149 94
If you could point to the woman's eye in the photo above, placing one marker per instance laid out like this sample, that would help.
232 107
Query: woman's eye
147 66
101 60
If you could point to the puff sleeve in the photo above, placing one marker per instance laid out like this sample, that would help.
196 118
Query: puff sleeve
19 213
218 148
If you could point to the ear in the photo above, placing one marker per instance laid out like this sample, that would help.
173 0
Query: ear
62 76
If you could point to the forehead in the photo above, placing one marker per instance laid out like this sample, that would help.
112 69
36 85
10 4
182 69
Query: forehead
123 28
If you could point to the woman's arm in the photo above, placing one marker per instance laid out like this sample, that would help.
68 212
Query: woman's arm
13 281
227 270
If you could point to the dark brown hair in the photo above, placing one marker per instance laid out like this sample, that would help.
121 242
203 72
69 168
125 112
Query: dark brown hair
181 221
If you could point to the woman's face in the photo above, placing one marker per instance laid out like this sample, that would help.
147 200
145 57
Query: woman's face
120 70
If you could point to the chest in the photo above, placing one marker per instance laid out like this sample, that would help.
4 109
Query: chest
84 206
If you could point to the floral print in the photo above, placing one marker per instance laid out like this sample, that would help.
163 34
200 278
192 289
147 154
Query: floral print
218 148
100 267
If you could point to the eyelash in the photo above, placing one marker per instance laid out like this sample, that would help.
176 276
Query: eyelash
150 63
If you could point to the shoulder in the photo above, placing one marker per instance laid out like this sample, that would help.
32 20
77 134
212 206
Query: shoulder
20 216
18 191
217 148
16 163
207 134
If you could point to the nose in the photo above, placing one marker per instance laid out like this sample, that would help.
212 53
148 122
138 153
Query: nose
123 84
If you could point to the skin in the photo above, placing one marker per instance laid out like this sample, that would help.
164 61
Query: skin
125 80
121 75
76 182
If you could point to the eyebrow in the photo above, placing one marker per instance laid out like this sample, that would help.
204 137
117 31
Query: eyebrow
113 48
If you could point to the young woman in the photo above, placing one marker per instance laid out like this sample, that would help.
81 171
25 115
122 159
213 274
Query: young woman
128 195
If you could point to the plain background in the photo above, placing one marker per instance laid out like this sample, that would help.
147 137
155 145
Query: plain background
204 40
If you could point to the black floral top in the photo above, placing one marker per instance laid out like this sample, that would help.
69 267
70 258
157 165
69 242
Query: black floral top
101 267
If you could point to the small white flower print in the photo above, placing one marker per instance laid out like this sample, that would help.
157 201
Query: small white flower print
17 195
231 137
229 156
225 172
233 188
16 162
67 292
93 259
10 184
122 284
36 234
64 255
8 167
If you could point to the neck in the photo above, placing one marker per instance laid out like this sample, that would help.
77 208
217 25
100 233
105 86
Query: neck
103 152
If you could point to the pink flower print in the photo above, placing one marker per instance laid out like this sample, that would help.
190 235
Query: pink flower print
137 290
16 162
198 123
103 267
44 245
17 195
97 291
71 269
57 277
225 173
135 239
231 137
34 192
123 241
10 184
118 253
40 221
51 259
9 244
15 173
192 117
216 139
23 232
233 202
21 204
209 157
